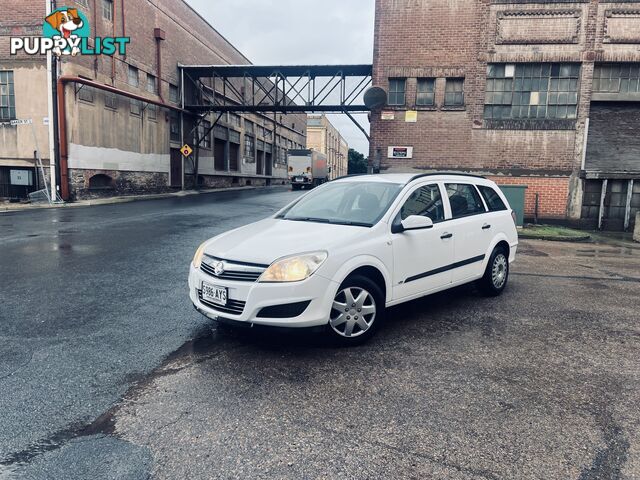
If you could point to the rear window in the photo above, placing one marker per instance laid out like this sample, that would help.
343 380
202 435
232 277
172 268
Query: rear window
494 202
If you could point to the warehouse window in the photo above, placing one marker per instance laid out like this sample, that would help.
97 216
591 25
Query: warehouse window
248 126
135 107
107 10
111 100
174 94
249 147
134 79
396 91
454 92
616 78
204 134
7 97
425 95
86 93
152 83
174 127
152 111
532 90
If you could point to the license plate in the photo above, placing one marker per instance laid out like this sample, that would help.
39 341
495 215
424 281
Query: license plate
299 179
213 294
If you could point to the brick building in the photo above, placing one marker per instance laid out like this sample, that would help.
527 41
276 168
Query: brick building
126 138
538 93
323 137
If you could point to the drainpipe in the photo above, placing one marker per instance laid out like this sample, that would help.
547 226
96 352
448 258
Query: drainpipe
159 35
124 25
62 121
51 95
113 57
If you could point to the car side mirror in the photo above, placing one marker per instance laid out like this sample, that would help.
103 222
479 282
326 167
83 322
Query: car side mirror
416 222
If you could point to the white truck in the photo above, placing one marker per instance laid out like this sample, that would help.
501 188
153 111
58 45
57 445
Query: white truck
307 169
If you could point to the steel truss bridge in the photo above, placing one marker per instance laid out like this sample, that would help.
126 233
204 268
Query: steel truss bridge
219 89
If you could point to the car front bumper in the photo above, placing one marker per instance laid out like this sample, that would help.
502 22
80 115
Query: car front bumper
317 290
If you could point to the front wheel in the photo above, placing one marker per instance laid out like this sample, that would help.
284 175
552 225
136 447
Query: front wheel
496 274
357 312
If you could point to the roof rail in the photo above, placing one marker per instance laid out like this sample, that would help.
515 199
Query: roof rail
351 176
453 174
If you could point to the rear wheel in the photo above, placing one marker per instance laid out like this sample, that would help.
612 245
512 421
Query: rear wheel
357 312
496 275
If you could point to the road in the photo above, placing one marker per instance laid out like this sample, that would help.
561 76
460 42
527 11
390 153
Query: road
107 372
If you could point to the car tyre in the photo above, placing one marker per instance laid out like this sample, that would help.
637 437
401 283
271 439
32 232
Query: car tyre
357 312
496 275
295 187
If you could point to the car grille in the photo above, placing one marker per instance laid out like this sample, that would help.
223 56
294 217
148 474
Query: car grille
235 271
234 307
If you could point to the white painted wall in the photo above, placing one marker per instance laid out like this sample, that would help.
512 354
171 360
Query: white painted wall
99 158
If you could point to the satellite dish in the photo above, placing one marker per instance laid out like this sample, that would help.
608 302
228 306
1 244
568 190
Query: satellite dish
375 97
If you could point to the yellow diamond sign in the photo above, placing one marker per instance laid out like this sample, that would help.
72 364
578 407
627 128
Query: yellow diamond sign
186 150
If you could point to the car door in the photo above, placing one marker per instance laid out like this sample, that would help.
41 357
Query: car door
421 256
468 219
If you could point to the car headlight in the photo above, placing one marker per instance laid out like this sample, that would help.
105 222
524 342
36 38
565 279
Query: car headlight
197 258
294 268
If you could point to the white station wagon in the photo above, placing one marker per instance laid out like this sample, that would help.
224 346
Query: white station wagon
341 254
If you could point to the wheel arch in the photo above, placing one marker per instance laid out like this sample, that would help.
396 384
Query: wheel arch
372 268
500 241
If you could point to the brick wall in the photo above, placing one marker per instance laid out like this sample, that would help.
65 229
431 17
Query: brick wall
552 194
458 38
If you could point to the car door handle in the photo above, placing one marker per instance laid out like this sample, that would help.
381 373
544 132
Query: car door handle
486 226
446 236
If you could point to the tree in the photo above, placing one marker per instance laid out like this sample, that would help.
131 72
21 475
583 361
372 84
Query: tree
357 162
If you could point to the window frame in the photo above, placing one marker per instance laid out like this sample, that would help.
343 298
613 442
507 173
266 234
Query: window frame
432 92
452 81
130 72
10 96
397 81
552 82
154 79
107 10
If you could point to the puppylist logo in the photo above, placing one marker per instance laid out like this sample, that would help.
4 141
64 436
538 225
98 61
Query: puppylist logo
66 32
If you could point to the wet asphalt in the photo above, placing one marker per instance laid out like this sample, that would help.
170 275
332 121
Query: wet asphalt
107 372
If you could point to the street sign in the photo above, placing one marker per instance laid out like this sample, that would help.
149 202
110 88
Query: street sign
27 121
186 150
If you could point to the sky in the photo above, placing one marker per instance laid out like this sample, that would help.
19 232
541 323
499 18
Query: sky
295 32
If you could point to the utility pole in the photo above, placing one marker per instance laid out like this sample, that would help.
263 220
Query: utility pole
52 77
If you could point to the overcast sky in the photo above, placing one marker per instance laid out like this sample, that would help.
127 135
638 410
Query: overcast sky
288 32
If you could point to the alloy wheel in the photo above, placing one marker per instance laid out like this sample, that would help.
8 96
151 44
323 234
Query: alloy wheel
353 312
499 271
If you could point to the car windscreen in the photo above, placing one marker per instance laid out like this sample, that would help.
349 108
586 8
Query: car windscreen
344 203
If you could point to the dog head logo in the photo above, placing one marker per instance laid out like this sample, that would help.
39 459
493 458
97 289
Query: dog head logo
69 25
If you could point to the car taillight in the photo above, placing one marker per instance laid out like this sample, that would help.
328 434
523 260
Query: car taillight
515 218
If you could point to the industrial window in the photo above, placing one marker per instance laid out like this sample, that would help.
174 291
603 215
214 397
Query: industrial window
235 120
492 199
248 126
203 136
174 94
454 92
174 127
425 95
152 84
134 79
135 107
86 93
7 97
152 112
464 200
111 100
616 78
532 90
249 147
107 10
396 91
